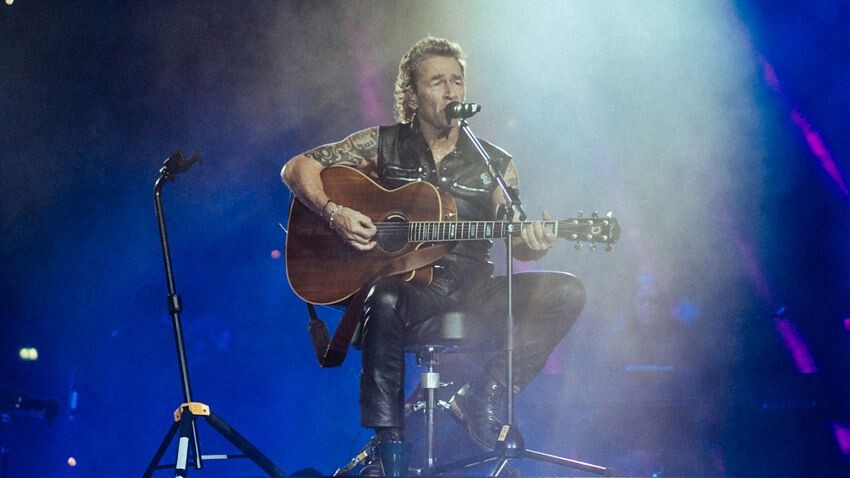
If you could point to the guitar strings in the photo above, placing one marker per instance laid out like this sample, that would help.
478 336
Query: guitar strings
396 228
405 224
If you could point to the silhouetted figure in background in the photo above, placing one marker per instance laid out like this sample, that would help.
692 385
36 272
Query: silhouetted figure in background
652 411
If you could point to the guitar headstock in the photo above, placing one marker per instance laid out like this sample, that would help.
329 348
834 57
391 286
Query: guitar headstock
594 230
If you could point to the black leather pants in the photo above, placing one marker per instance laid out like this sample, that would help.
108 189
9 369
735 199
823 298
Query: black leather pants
546 304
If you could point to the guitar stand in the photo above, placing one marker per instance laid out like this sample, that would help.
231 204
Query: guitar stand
184 418
188 444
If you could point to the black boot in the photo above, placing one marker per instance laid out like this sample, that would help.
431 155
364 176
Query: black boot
480 404
372 464
387 451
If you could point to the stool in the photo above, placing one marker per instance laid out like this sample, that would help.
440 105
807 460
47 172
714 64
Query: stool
450 332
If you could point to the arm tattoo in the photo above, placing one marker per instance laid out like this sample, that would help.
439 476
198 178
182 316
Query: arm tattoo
352 151
366 142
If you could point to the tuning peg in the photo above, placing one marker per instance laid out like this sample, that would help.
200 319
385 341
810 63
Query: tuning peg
610 214
595 215
608 248
577 246
592 247
580 214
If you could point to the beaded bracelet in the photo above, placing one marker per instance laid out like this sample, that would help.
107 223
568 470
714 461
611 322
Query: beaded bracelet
331 215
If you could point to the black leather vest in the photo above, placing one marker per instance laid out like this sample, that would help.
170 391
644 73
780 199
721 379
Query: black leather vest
404 156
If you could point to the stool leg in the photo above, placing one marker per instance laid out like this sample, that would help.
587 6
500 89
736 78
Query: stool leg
430 383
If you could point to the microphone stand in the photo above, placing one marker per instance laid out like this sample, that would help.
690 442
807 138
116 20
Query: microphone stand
510 443
184 416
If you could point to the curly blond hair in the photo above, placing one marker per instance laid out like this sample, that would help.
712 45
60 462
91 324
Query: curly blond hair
424 48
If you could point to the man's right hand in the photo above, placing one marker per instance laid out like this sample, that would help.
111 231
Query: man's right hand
357 229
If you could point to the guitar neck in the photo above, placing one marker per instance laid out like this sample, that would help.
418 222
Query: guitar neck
440 231
592 229
427 231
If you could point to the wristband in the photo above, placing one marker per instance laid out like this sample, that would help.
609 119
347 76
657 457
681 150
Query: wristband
322 210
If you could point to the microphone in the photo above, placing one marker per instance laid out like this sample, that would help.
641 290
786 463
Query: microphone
456 109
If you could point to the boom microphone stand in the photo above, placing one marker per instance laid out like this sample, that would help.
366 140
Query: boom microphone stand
510 443
184 416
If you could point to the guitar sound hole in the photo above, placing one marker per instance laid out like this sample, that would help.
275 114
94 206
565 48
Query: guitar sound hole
392 237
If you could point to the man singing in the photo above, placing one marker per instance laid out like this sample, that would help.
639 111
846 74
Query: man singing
425 145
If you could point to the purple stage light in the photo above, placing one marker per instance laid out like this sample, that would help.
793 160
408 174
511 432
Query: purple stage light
795 344
842 437
769 74
370 85
819 150
813 138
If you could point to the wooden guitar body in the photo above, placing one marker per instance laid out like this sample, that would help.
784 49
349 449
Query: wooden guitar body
322 268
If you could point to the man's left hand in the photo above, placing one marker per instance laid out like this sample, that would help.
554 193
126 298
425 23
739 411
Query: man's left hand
538 238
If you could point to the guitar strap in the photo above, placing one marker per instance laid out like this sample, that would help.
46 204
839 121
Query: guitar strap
332 352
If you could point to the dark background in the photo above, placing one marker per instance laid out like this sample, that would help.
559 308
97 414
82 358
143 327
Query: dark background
717 130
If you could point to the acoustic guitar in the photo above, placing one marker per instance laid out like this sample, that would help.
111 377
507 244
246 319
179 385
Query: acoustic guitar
323 269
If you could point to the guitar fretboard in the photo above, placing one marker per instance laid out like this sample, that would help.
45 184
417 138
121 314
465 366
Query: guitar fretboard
424 231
